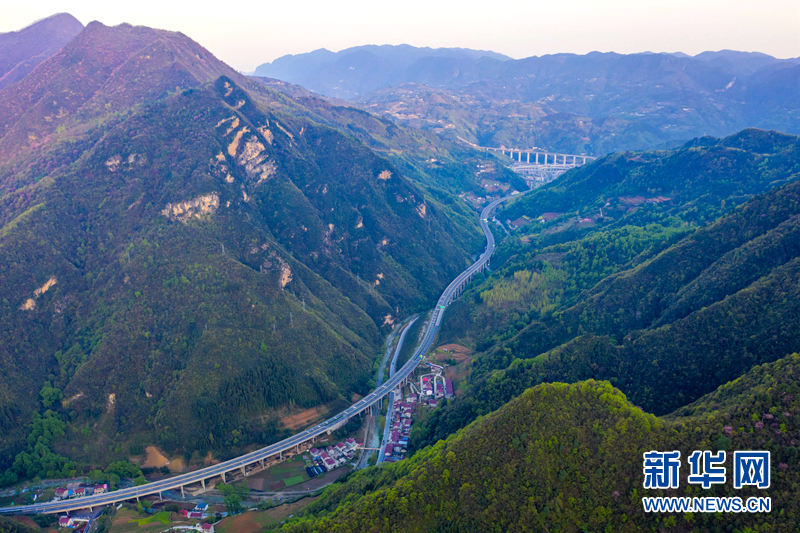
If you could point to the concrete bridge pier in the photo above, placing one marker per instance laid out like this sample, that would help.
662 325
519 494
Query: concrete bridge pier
183 495
223 478
203 482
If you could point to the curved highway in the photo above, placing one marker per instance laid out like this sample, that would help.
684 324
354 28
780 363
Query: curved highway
273 450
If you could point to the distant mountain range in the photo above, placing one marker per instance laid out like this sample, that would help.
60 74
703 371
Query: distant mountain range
592 103
356 72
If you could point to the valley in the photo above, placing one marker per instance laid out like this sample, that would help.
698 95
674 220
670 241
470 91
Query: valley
397 287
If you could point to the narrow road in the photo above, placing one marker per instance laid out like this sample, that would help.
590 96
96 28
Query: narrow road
372 437
392 368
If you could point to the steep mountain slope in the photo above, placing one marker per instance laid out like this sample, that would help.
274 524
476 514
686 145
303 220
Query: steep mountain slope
21 51
569 457
664 322
184 253
593 103
128 65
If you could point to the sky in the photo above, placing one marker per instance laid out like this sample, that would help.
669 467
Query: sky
245 33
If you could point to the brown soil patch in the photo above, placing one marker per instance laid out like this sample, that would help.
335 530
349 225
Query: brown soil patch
454 351
303 418
462 356
155 458
252 522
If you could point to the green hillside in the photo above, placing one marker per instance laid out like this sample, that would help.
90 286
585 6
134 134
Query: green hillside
662 309
182 259
569 458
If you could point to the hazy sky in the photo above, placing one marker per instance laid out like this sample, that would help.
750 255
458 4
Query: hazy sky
245 34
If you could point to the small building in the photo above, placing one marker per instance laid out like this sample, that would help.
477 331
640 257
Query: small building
201 506
207 528
341 447
62 493
100 488
315 453
330 464
79 491
448 388
66 521
351 443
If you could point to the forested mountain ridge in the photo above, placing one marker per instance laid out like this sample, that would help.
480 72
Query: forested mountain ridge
569 457
185 252
614 214
676 311
21 51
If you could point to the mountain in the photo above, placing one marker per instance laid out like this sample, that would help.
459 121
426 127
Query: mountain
739 63
593 103
569 458
21 51
188 255
663 309
355 72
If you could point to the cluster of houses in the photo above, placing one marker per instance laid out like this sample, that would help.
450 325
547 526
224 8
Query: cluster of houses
76 490
78 520
400 429
200 511
433 387
331 457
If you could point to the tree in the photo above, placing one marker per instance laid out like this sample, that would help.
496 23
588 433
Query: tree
51 396
232 496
